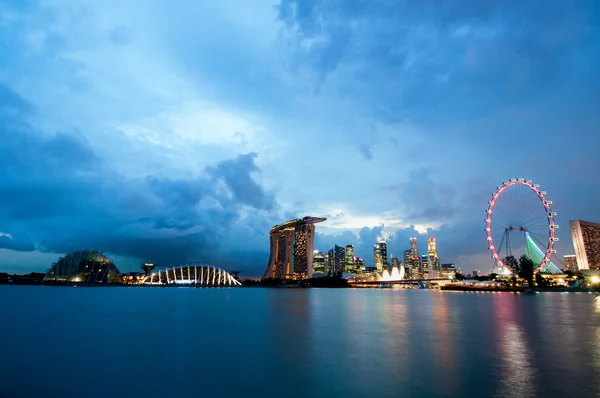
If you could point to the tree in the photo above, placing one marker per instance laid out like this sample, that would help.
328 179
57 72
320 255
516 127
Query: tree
540 280
459 276
512 264
526 267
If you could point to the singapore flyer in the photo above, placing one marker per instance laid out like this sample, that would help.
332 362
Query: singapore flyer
520 222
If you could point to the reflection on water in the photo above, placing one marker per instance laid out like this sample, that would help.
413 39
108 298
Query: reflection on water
297 343
517 374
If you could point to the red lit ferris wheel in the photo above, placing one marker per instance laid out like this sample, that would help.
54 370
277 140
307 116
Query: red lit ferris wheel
520 221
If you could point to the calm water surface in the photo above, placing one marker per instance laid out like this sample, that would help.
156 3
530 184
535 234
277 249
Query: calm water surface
253 342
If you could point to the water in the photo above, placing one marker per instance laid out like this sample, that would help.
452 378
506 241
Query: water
253 342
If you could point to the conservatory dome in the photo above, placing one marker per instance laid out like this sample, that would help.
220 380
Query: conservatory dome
83 266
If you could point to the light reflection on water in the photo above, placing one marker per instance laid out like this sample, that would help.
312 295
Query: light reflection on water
157 342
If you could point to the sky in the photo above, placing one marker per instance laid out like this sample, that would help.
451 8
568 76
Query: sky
176 132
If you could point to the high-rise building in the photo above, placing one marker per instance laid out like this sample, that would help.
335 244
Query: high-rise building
424 266
292 249
330 261
340 259
349 254
384 254
570 261
319 262
586 241
395 262
434 263
377 261
408 265
413 247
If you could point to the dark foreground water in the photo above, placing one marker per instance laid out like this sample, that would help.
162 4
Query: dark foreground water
252 342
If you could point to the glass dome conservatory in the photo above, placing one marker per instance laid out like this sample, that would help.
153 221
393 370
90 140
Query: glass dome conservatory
83 266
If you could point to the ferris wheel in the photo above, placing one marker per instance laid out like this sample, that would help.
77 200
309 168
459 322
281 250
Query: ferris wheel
520 221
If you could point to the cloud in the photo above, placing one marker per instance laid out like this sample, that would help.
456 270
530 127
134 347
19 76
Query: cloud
11 243
423 200
62 196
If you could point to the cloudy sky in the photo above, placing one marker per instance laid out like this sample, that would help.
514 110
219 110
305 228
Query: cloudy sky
181 131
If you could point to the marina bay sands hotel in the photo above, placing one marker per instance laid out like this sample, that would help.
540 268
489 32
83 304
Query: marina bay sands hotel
292 246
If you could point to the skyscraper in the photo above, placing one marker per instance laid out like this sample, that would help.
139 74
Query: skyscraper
413 247
395 262
434 263
377 260
292 249
384 254
586 241
411 272
424 268
340 259
330 259
349 254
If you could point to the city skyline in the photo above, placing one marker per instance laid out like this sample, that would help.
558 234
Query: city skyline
174 136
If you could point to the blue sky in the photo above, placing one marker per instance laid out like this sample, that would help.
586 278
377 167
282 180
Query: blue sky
181 131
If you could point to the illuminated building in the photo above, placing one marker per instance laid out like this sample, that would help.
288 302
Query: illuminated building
340 259
570 261
349 254
360 263
330 261
192 275
319 262
377 261
395 262
384 254
413 247
424 268
448 270
147 267
292 246
434 264
84 267
586 241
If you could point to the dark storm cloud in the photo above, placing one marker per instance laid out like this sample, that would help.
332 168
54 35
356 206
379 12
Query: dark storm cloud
437 60
12 243
61 196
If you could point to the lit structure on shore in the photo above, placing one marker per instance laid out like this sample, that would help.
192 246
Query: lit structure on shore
84 267
586 241
192 274
292 246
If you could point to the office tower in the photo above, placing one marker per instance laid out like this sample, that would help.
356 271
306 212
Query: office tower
384 254
350 265
319 262
377 260
292 249
424 266
586 241
340 259
570 261
413 247
434 264
395 262
408 265
330 261
349 254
